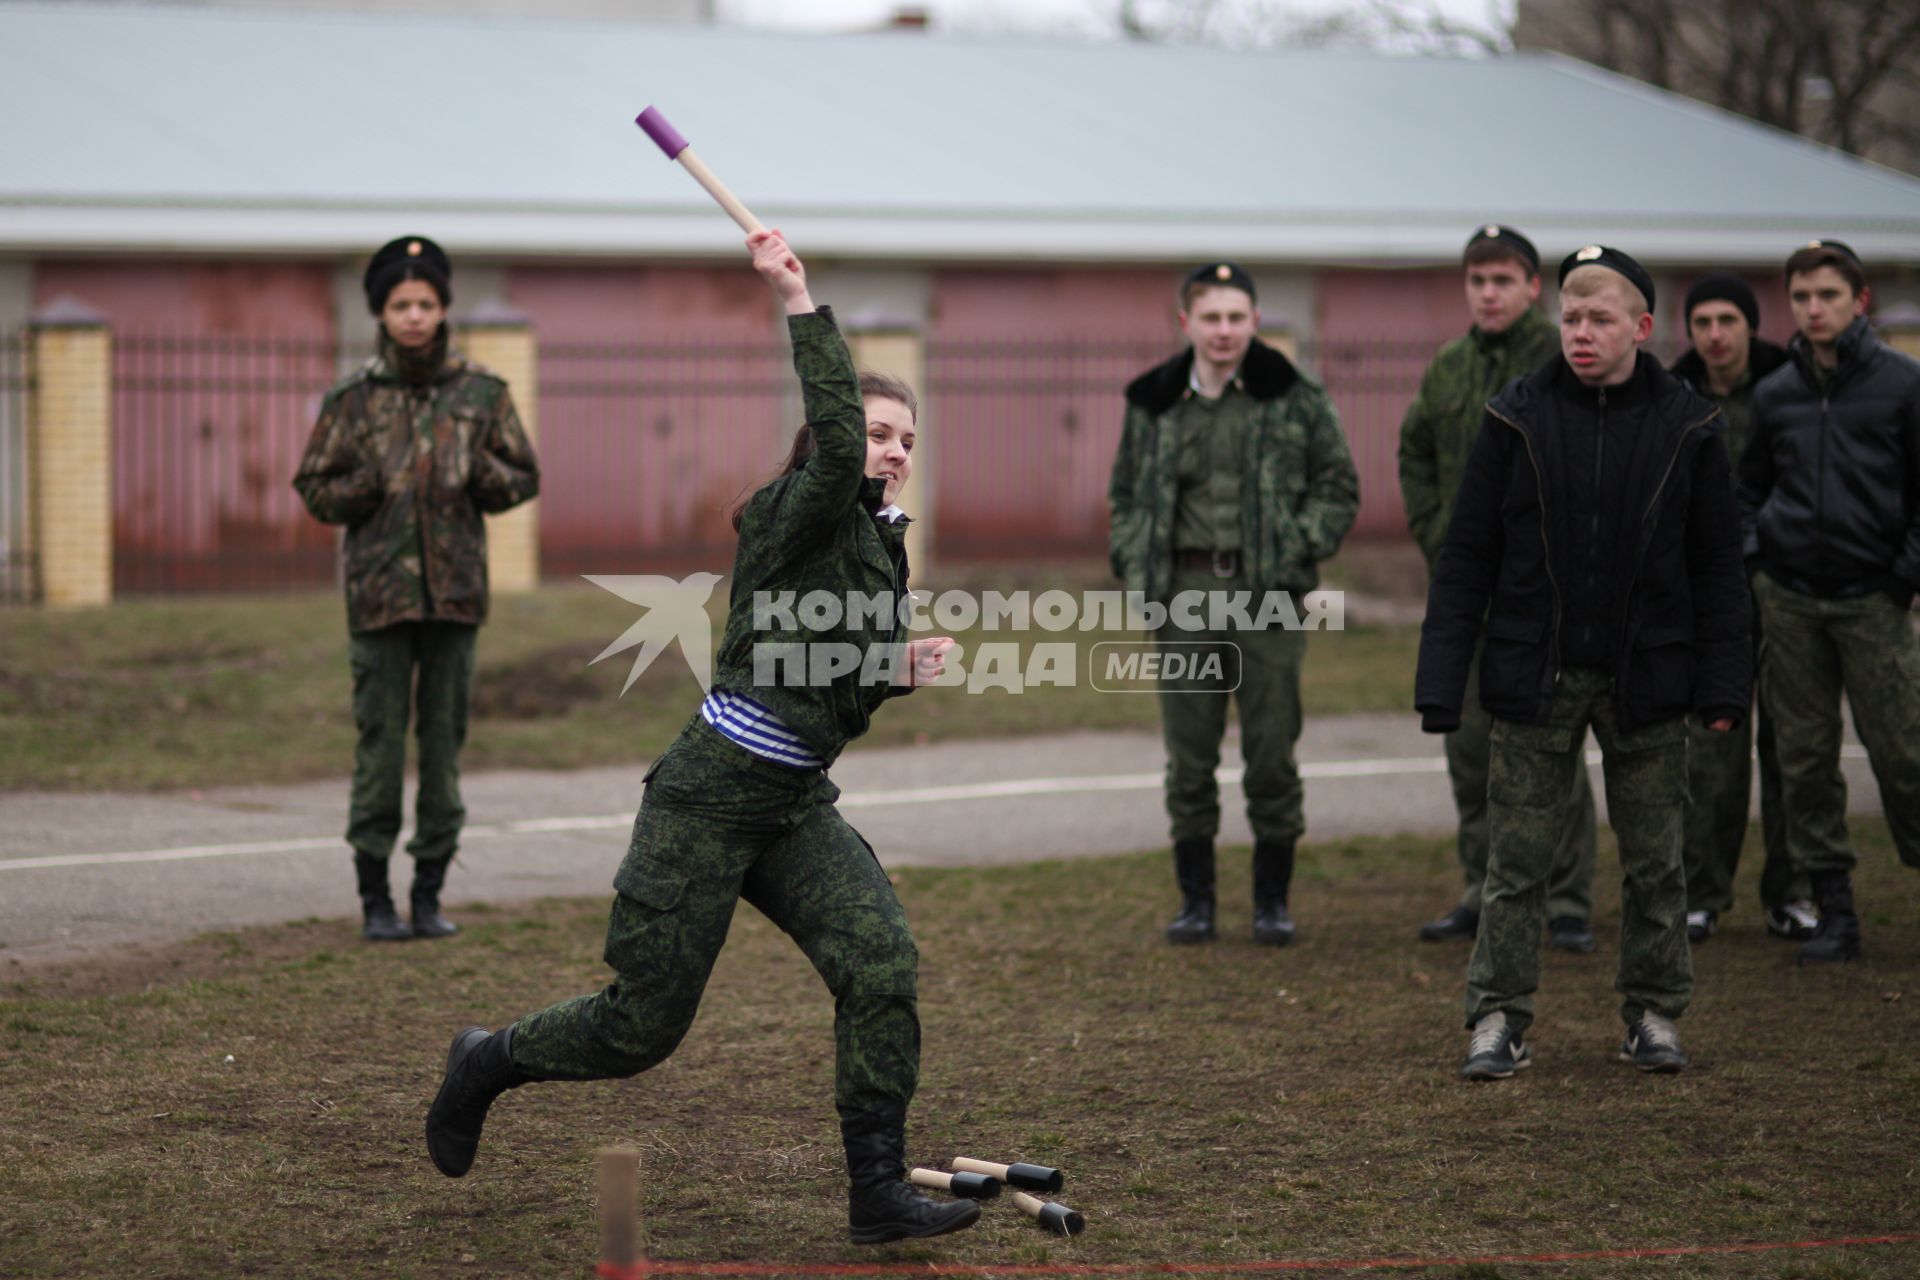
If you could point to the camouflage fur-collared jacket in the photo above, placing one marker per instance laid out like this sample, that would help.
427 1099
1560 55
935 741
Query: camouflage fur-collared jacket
410 454
1438 431
814 532
1298 489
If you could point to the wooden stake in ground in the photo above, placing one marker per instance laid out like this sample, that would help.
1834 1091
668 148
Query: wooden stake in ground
619 1214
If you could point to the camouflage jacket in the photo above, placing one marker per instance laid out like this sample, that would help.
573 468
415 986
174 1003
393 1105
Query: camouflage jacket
1736 407
815 530
1298 488
1437 434
410 461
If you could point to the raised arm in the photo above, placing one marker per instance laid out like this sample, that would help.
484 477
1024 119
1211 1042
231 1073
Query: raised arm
817 496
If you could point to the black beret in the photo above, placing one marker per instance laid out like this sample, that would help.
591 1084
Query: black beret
1229 275
1839 246
1509 238
1620 264
1720 286
408 258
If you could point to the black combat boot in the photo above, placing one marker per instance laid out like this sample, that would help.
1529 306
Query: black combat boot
479 1069
1272 876
1838 937
381 922
880 1204
425 897
1193 868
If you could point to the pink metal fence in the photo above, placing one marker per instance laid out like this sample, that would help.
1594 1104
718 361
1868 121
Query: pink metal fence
18 563
1027 433
644 450
207 434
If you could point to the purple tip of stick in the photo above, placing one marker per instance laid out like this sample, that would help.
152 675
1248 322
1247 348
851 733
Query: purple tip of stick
664 135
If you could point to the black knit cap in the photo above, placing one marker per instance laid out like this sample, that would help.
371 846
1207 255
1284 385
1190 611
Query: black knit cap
1721 286
1229 275
1506 237
1622 265
408 258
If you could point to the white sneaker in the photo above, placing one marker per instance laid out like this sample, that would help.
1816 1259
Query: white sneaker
1796 921
1701 925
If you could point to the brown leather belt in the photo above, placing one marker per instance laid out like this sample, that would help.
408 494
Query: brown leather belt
1223 564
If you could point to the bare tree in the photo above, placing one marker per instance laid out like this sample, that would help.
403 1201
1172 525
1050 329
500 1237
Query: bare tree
1845 72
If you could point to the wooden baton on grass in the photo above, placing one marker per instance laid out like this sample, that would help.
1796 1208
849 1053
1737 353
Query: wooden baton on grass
1034 1177
619 1214
1056 1218
971 1186
669 140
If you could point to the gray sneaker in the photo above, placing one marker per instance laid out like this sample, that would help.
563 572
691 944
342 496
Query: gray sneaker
1653 1044
1496 1050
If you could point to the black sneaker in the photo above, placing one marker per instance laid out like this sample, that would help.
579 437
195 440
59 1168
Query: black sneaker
1570 933
1702 925
1496 1051
1653 1044
1461 922
1795 921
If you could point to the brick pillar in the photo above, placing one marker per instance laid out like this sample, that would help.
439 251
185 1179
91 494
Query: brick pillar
1283 340
1899 327
900 351
501 338
70 453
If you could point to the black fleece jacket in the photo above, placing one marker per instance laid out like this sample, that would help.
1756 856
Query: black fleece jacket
1677 610
1830 486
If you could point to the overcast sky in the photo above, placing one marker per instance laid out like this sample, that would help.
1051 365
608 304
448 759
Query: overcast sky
1062 17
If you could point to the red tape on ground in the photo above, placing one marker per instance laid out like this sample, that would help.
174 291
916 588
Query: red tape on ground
665 1268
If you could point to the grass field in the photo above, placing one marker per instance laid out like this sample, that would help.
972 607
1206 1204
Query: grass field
211 691
250 1104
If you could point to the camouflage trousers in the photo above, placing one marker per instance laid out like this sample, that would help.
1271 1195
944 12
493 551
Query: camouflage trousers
716 825
385 689
1469 748
1261 673
1814 650
1719 782
1527 783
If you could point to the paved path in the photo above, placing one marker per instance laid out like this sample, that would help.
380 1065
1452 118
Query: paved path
79 873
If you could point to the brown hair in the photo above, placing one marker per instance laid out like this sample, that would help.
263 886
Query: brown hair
1815 256
873 386
1481 252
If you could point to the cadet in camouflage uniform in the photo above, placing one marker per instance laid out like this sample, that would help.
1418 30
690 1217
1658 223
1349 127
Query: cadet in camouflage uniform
410 452
740 806
1232 476
1596 541
1509 338
1725 362
1830 495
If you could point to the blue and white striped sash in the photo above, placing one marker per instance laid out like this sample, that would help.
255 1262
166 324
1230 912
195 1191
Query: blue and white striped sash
752 726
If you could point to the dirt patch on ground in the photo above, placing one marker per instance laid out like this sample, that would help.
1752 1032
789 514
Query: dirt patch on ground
541 685
138 969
